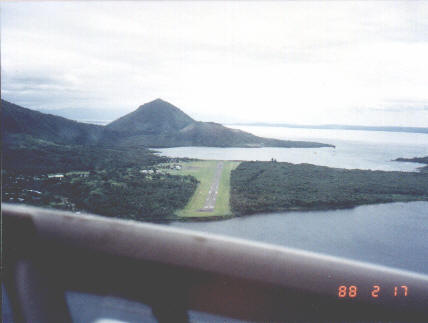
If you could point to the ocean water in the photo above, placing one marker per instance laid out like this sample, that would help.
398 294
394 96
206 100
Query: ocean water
393 234
374 150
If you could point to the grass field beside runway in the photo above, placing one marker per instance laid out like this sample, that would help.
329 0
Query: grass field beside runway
204 172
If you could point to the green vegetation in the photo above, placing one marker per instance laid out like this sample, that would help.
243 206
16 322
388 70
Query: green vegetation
154 124
204 171
19 120
123 193
269 187
28 155
107 170
160 124
210 134
157 117
421 160
96 179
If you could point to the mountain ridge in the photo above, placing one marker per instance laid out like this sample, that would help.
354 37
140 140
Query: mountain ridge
154 124
160 124
17 120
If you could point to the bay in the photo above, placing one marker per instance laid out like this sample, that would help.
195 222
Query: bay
373 150
393 234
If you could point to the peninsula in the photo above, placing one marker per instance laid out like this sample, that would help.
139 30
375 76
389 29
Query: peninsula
55 162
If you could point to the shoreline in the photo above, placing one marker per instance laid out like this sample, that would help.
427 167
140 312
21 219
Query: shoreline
215 218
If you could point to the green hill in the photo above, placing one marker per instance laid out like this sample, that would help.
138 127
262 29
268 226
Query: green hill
17 120
154 124
160 124
154 118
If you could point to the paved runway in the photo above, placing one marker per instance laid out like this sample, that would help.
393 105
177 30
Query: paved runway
212 193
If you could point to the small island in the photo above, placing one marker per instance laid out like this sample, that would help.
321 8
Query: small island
420 160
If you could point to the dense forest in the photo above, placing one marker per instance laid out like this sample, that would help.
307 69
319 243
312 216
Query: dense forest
123 193
27 155
87 178
258 187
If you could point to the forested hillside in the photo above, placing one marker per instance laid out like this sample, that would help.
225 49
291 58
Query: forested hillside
27 155
154 124
18 120
161 124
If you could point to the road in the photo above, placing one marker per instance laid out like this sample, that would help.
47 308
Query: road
212 193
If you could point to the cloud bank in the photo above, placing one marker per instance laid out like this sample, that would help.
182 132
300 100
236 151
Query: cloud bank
292 62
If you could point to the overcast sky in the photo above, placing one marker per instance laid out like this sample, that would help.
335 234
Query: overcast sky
296 62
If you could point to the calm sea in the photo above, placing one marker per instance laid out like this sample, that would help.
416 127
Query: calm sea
354 149
394 234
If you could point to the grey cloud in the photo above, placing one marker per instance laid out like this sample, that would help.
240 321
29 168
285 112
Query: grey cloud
47 91
23 82
125 57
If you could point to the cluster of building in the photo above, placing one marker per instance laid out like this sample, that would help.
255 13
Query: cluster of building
28 188
154 171
148 171
21 196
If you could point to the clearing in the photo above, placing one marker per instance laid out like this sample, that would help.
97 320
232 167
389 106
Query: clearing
207 172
